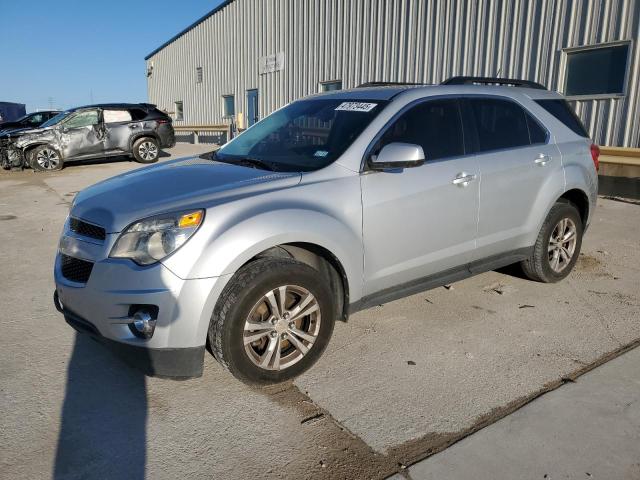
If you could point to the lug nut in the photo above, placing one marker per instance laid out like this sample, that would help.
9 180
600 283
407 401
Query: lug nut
274 321
292 325
273 334
284 335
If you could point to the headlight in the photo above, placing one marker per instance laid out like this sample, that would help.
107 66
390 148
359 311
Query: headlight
152 239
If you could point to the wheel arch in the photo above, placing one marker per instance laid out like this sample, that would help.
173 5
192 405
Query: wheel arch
579 199
137 136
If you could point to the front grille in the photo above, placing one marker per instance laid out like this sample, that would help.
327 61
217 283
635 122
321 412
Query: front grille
75 269
87 229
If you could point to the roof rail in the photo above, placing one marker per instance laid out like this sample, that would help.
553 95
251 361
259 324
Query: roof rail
511 82
389 84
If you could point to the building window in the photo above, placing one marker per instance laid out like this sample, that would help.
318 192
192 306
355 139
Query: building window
198 74
331 86
179 111
593 71
229 105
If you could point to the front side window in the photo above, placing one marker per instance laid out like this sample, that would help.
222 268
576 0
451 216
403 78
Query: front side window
35 119
596 71
303 136
86 118
434 125
500 124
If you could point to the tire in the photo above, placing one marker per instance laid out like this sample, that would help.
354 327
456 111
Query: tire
44 158
244 299
146 150
541 266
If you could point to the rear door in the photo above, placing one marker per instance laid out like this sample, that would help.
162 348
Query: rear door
520 167
118 129
420 221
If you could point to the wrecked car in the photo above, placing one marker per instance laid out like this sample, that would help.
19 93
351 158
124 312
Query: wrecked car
96 131
32 120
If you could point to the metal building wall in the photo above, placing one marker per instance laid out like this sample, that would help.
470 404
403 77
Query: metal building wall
393 40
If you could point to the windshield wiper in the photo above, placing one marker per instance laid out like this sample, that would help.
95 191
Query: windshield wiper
256 163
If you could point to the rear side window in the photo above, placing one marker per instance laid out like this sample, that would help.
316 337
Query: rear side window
116 116
500 124
434 125
562 111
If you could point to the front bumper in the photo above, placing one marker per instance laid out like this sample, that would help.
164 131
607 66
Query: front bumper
175 363
102 307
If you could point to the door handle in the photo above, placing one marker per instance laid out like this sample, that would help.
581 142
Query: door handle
542 159
463 179
133 126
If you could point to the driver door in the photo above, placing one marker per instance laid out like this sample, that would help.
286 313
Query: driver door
421 221
82 134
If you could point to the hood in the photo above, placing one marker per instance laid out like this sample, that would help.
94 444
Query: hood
18 132
183 184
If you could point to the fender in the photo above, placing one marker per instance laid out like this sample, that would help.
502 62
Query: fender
137 135
225 252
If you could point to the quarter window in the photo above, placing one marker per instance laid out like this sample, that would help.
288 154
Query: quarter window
435 126
597 71
562 111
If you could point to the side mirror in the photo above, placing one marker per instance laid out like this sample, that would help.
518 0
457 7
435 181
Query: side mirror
397 155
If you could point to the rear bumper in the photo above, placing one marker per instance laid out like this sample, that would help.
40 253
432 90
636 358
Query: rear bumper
176 363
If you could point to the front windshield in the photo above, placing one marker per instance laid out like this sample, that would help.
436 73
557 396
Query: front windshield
303 136
56 119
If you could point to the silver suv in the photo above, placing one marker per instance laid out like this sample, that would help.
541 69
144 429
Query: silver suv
332 204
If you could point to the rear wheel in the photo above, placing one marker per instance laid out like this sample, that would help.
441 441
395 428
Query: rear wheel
272 321
146 150
45 159
557 247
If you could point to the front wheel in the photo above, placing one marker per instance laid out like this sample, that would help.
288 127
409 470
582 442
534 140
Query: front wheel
272 321
146 150
557 247
45 159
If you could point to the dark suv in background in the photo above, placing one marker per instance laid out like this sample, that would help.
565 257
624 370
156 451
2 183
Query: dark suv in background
139 130
32 120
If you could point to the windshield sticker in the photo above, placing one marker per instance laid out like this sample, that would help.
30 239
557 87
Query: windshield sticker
356 106
321 153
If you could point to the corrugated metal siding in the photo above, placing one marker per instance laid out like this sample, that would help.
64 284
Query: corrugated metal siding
393 40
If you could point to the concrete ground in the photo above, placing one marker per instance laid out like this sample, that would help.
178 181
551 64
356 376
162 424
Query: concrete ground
398 382
588 429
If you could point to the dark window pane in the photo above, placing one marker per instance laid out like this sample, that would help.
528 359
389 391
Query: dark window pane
435 125
331 86
137 114
537 134
597 71
229 105
562 111
500 124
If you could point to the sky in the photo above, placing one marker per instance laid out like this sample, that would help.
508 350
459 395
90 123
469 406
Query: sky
71 52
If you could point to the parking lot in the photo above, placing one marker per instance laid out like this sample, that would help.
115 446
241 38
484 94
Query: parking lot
398 382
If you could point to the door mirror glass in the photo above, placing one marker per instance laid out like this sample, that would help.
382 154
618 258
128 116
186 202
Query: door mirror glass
397 155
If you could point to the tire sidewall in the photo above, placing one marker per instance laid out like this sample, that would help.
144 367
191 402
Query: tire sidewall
240 306
136 146
35 166
560 212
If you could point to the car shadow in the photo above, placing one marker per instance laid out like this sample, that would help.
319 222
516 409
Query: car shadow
104 417
104 160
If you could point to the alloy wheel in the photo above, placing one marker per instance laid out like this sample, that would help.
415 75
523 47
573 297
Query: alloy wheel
48 159
282 327
148 150
562 244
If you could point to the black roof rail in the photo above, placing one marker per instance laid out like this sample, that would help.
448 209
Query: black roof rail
511 82
390 84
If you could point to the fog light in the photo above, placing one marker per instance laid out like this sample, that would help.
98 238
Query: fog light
143 324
